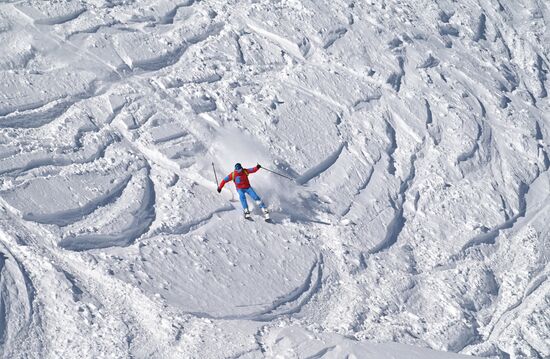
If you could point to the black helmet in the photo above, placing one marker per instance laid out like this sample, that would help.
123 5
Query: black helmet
238 166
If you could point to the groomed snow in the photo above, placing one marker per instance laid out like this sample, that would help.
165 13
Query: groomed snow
416 133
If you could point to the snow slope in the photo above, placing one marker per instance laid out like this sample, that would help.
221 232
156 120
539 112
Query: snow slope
416 132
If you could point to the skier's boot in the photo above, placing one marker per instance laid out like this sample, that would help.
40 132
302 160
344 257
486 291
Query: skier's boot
247 214
266 213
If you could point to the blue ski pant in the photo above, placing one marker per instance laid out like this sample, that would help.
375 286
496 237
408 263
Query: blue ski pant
242 196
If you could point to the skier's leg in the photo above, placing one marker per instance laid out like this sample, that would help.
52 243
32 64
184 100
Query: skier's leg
255 197
242 197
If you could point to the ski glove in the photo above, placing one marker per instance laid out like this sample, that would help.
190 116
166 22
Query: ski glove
258 165
219 189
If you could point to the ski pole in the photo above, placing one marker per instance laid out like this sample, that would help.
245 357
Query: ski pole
215 175
277 173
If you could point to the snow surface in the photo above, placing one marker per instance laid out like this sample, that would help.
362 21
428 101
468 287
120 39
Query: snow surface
416 132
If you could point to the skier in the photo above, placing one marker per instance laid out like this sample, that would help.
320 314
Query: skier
240 177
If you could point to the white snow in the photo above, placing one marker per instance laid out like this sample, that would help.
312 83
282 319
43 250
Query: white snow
416 133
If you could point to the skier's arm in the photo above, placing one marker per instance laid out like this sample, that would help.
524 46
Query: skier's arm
254 169
223 182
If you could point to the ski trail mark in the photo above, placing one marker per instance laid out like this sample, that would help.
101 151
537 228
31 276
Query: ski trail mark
64 218
143 218
322 166
288 46
288 304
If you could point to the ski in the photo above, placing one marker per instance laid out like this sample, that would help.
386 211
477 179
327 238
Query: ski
265 216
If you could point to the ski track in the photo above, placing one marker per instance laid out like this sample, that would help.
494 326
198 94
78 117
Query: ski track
192 226
72 215
285 44
322 166
396 225
143 217
288 304
491 235
321 353
21 317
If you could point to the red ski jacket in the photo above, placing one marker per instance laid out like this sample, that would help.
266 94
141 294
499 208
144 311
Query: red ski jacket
239 177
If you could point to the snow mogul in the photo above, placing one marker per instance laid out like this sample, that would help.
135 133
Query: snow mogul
240 177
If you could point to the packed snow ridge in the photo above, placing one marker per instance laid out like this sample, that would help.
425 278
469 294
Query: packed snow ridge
415 223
